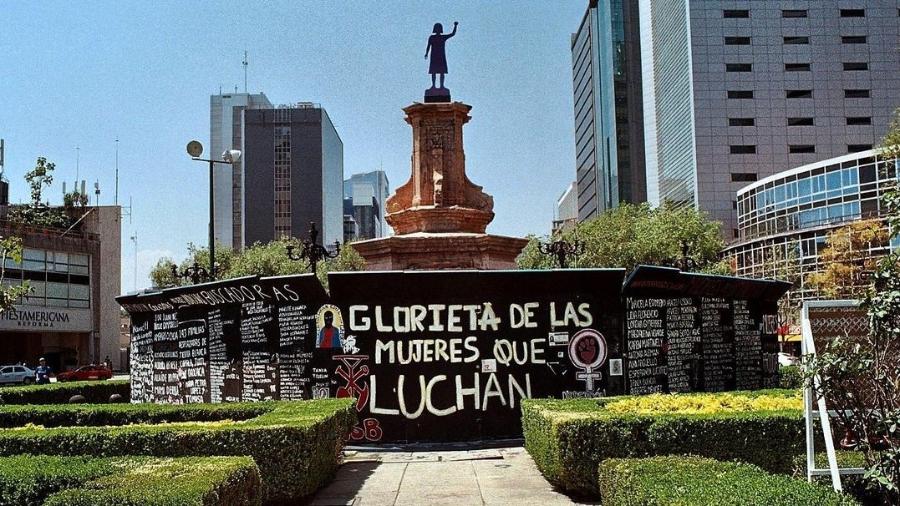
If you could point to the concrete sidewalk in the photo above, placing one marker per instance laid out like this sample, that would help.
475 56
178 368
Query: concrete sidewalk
389 476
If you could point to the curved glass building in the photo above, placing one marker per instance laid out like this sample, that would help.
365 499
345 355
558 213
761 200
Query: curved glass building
787 216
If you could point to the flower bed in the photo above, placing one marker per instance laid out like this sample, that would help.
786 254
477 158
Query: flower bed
568 439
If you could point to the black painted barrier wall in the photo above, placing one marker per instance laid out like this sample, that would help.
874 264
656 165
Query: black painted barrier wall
449 355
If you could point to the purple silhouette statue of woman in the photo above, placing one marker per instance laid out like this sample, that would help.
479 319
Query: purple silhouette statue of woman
438 64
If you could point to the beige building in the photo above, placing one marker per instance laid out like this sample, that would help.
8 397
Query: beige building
71 317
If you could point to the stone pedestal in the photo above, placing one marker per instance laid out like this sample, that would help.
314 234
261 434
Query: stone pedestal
439 216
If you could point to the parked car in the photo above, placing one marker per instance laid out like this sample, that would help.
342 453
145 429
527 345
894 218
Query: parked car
18 374
85 373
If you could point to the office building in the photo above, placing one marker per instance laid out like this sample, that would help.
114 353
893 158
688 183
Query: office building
225 122
566 212
294 161
736 91
70 317
365 196
606 82
786 217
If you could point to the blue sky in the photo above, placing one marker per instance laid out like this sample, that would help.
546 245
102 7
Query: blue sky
81 74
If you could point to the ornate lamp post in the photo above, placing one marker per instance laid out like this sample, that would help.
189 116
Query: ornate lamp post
195 273
311 251
562 250
685 263
229 157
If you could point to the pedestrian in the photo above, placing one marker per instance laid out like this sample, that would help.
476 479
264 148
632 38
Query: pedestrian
108 363
42 372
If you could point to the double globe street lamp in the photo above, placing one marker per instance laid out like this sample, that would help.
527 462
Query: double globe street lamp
229 157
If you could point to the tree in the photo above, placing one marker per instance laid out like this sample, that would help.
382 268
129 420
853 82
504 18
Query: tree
847 259
41 214
261 259
631 234
10 248
862 375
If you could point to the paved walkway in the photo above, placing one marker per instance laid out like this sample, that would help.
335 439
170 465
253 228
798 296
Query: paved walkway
389 476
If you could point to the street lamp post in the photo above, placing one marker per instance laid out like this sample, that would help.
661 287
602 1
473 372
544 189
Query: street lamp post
562 250
229 157
311 250
194 272
685 263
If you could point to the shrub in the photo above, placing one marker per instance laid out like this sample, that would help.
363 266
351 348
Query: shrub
61 415
204 481
855 485
59 393
296 444
680 480
790 376
568 439
30 480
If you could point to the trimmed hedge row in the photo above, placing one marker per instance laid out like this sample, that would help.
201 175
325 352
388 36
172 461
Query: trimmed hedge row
201 481
568 439
62 415
60 393
679 480
49 480
790 376
855 485
296 444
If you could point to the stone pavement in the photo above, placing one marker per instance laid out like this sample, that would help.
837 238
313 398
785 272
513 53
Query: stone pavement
442 475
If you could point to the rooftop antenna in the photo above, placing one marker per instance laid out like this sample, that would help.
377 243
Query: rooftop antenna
2 149
96 192
77 159
244 62
116 200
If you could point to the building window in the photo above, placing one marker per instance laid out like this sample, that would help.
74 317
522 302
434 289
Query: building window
796 40
853 13
740 94
282 181
800 122
738 67
856 66
859 120
743 177
853 39
856 148
735 13
741 122
856 93
737 41
801 148
743 149
798 93
796 67
793 13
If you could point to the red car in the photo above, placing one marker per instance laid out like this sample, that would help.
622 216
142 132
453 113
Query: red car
86 373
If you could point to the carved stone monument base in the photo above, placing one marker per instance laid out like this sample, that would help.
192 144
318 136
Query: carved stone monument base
440 251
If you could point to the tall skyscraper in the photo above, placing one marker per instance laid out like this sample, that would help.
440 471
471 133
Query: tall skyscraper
736 91
225 120
606 82
367 193
295 171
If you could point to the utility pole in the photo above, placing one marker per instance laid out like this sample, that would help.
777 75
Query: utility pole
134 240
245 63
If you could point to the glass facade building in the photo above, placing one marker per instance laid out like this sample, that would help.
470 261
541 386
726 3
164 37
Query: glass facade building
606 83
786 217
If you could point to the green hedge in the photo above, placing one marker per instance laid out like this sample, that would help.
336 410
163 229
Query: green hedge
39 480
295 444
569 438
866 491
63 415
201 481
680 480
60 393
790 376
